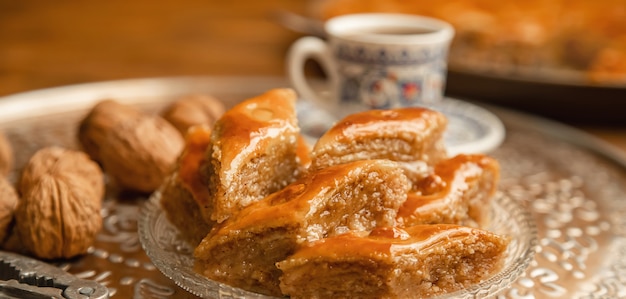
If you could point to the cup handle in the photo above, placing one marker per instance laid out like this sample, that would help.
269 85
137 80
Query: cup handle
310 48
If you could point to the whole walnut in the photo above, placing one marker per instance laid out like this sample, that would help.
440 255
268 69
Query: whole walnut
58 215
192 110
137 150
8 204
100 122
6 155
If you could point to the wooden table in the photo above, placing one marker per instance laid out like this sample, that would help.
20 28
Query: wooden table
45 44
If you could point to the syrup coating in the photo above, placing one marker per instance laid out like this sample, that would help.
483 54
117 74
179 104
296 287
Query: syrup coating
186 198
410 135
346 226
184 191
458 192
197 141
419 261
254 151
357 196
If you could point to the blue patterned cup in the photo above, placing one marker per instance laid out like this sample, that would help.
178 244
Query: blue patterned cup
374 61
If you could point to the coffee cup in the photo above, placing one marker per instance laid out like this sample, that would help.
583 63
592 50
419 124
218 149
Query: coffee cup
373 61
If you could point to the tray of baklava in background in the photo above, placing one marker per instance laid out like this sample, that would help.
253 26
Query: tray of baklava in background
561 59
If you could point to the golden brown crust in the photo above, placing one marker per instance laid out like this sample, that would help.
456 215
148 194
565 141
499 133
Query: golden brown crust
418 262
262 206
184 192
243 250
254 151
408 135
182 210
190 162
458 192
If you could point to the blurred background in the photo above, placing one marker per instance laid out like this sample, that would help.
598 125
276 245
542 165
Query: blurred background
55 43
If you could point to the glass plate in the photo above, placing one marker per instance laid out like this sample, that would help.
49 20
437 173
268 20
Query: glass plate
169 252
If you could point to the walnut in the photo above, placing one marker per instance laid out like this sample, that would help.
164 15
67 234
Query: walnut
8 204
192 110
6 155
58 215
137 150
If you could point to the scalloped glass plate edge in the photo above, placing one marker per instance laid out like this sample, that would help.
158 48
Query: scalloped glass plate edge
174 258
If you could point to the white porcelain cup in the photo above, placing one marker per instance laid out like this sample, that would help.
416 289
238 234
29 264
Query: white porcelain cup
374 61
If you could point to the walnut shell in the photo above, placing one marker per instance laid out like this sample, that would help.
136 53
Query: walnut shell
137 150
59 213
102 119
6 155
8 204
193 110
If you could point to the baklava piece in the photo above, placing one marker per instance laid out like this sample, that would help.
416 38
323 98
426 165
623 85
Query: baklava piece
183 192
414 262
458 192
412 136
254 151
243 250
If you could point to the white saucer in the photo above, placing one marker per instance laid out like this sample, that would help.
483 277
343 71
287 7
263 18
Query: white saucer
471 128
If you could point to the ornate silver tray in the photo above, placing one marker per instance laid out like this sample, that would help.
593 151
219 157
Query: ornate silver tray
573 185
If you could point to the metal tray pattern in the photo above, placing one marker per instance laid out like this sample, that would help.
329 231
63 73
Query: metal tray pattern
573 185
